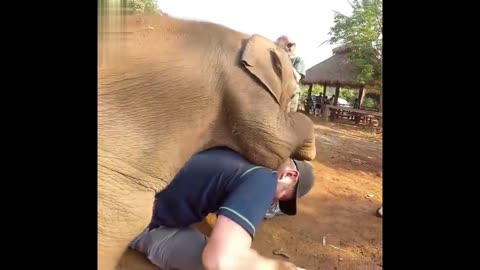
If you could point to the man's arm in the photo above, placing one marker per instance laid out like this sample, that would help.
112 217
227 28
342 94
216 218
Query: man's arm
298 76
229 245
299 66
229 248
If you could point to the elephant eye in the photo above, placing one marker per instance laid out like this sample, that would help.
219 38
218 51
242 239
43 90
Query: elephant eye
292 96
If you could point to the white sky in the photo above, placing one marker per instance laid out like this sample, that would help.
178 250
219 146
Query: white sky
307 22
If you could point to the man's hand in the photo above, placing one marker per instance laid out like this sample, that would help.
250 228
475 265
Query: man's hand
287 266
297 75
251 260
228 248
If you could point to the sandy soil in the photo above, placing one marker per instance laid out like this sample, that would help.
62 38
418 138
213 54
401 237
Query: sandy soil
340 208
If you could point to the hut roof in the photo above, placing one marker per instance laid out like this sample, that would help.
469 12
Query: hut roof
337 69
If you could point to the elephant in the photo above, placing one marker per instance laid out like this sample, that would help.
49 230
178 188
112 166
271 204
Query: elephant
171 88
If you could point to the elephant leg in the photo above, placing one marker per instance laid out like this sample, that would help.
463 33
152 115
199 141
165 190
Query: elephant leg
122 214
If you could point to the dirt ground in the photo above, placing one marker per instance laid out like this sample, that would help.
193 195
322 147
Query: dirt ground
340 208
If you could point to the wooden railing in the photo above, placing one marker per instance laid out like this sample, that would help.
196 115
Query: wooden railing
357 112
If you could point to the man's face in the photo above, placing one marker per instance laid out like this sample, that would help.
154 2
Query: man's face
286 43
282 41
287 180
291 48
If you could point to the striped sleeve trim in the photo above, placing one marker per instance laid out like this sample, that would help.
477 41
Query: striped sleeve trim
251 169
240 216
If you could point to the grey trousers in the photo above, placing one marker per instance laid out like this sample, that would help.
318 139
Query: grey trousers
172 248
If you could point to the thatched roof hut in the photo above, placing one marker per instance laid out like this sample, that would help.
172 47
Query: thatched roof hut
336 70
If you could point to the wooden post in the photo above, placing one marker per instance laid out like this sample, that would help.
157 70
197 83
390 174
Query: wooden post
309 93
337 93
324 102
333 114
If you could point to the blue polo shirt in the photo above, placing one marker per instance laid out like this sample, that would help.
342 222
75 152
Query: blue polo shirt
216 180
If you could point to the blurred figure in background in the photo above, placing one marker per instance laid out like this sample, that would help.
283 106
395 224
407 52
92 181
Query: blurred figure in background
297 63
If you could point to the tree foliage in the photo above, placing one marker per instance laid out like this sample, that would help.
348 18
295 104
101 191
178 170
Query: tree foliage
147 6
362 32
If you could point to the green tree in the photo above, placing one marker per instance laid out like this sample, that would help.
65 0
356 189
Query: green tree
348 94
317 89
362 32
147 6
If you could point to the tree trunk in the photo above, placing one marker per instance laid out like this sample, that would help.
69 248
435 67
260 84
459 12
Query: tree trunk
361 95
380 108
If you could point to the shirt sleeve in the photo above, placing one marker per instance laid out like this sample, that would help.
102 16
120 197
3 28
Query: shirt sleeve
299 66
247 204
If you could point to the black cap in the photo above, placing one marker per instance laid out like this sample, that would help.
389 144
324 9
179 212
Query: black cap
304 185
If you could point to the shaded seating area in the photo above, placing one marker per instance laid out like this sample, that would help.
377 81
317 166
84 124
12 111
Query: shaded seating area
357 115
338 71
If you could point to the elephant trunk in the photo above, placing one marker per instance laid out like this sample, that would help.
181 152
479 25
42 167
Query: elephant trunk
301 129
269 141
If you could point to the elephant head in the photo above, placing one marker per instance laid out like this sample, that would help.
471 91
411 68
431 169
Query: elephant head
257 92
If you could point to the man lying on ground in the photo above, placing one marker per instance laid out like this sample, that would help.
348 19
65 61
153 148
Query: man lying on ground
220 181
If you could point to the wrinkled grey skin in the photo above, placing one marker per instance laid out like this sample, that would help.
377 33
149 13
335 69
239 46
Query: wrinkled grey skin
177 89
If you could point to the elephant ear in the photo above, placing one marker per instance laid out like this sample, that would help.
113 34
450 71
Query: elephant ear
261 59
